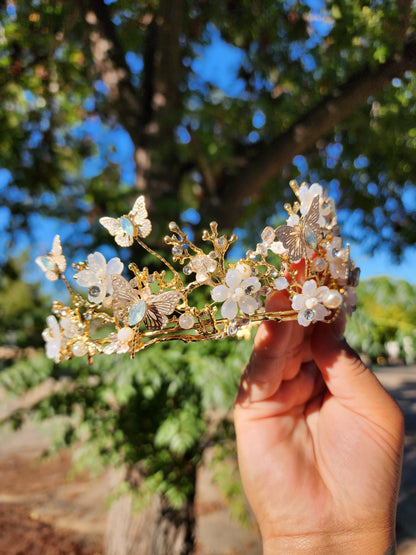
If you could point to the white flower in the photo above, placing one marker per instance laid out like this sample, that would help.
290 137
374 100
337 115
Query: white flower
236 294
268 237
98 276
306 195
52 337
202 264
120 341
338 259
310 304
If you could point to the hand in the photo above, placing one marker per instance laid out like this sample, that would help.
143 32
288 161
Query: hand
319 442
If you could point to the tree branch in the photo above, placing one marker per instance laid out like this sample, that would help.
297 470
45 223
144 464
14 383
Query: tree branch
110 61
305 132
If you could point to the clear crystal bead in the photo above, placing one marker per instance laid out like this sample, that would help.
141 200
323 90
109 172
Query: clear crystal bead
268 235
309 314
187 270
222 241
177 251
94 291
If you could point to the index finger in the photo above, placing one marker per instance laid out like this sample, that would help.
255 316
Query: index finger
279 349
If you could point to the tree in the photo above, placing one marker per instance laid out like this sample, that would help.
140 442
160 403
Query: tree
103 99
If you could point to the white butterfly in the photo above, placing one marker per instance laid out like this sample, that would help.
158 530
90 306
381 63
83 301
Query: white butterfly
305 234
132 306
124 229
54 263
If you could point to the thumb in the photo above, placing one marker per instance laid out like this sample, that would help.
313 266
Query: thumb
348 379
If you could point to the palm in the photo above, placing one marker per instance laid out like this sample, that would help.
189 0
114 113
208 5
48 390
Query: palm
308 452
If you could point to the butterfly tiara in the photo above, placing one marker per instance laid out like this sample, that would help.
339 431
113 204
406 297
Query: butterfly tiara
304 259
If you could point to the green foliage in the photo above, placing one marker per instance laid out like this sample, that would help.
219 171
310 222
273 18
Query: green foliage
153 409
386 312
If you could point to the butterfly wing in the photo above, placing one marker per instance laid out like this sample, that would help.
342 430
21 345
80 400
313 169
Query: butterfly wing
57 255
154 320
139 215
290 236
159 307
312 217
124 297
113 226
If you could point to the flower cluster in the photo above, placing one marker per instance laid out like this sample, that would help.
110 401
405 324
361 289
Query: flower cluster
304 259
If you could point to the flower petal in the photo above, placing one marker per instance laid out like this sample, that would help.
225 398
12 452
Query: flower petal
248 304
229 309
298 302
309 288
220 293
233 278
321 312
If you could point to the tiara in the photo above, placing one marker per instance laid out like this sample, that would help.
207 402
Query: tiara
304 259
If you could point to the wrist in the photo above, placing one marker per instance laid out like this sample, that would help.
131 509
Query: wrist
370 542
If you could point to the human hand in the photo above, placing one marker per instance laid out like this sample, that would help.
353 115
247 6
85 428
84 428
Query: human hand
319 442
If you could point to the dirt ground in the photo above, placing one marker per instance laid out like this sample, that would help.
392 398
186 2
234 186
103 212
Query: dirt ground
43 513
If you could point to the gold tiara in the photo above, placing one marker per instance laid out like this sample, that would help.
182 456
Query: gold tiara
304 259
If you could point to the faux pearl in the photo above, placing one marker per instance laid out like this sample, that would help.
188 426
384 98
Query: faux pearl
333 300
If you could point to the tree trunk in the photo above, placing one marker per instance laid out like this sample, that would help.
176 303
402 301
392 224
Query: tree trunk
157 530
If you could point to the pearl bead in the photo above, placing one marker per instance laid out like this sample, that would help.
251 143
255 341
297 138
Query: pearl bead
333 300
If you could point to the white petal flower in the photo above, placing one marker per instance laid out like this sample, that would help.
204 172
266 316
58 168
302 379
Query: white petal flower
237 293
310 304
98 276
52 337
202 265
120 341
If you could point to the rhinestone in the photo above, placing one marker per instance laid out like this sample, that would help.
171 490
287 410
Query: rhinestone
151 279
310 237
127 226
137 313
94 291
186 321
222 241
173 226
177 251
187 270
354 277
166 239
88 316
76 267
274 273
249 290
309 314
63 312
